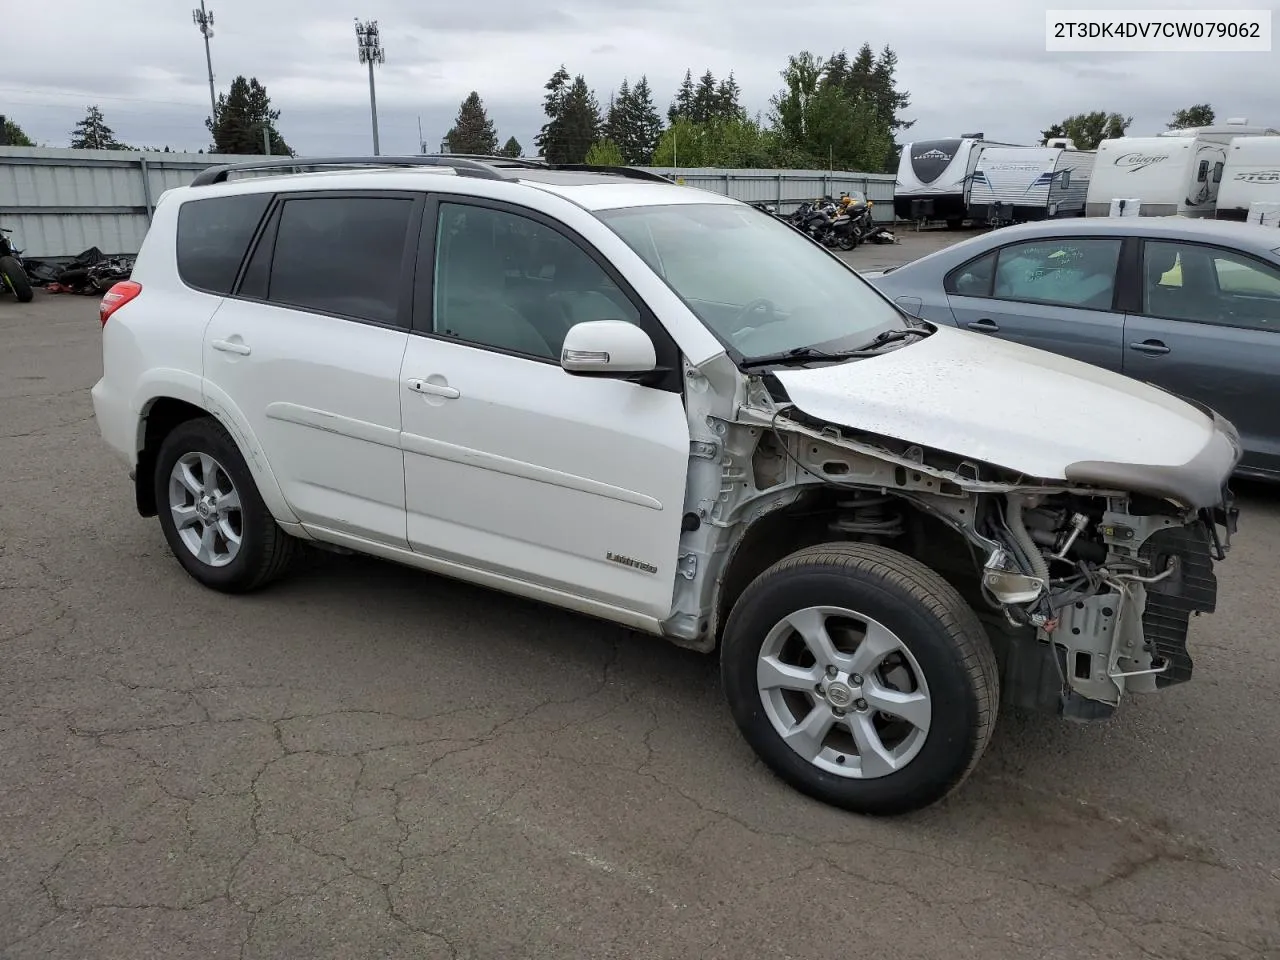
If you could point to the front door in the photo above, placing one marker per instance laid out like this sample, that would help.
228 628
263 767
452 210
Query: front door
309 349
1055 294
1209 329
513 467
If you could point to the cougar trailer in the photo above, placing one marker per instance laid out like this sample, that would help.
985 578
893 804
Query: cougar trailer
1251 175
1170 176
934 177
1018 184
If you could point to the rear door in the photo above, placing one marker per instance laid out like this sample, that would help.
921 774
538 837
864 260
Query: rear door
1207 327
1057 294
309 350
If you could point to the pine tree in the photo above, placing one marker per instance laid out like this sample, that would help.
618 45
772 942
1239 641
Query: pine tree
473 131
512 149
92 133
705 100
553 106
682 106
243 113
617 123
645 122
727 106
579 123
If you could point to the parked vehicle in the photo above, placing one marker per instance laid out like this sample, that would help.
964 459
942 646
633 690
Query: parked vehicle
1192 306
13 277
1251 175
935 177
661 407
1167 176
1019 184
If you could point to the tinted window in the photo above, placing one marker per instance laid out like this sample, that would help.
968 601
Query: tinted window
509 282
1069 272
974 278
341 255
213 235
1185 281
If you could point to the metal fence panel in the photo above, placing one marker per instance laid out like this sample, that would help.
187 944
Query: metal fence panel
59 202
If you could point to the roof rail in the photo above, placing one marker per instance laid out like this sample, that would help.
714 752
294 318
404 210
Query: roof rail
632 173
463 166
494 159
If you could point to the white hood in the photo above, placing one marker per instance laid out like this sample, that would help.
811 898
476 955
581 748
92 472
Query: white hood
1003 403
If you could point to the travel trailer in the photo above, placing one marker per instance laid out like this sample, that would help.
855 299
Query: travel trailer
1017 184
1251 175
1225 132
934 177
1166 175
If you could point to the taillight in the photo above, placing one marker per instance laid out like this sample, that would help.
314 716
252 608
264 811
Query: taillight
115 298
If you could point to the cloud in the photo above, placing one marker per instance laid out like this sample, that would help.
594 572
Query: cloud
979 65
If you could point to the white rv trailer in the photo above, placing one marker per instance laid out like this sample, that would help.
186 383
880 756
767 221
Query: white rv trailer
1225 132
1167 175
1018 184
934 177
1251 175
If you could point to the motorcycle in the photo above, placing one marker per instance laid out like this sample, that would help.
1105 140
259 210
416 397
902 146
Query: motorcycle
13 277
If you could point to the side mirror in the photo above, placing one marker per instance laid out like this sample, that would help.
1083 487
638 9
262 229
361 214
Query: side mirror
607 348
910 306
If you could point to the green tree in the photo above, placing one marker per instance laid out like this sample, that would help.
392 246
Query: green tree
682 105
1087 130
14 135
706 101
473 131
605 153
1197 115
92 133
739 142
645 124
573 123
727 105
243 113
512 149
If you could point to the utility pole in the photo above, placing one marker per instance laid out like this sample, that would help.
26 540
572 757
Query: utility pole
371 52
204 20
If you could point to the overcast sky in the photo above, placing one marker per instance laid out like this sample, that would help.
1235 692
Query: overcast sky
969 66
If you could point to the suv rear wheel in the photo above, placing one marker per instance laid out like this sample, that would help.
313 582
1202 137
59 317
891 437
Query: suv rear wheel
860 677
212 514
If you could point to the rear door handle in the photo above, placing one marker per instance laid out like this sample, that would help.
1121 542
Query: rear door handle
984 326
231 346
1152 347
418 385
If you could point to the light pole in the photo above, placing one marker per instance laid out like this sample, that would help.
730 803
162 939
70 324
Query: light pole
371 52
204 20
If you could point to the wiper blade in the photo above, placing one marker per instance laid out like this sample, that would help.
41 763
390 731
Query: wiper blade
893 336
796 355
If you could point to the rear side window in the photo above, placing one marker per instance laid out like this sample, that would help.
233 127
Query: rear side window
213 235
341 255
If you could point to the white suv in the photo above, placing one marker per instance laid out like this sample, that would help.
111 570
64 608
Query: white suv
667 409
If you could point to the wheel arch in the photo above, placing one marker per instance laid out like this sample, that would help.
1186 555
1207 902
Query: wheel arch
780 533
160 414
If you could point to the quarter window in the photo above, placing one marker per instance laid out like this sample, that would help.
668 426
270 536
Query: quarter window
340 255
508 282
212 237
1065 272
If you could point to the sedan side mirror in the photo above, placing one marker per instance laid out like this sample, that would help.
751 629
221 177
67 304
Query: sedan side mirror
607 348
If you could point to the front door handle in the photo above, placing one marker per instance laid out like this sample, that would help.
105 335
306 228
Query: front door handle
1152 347
985 325
418 385
231 346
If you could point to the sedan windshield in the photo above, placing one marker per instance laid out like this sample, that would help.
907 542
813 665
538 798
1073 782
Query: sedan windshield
758 284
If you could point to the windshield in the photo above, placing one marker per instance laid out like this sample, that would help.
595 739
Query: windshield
758 284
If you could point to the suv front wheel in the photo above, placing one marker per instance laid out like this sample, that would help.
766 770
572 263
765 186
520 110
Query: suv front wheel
212 514
860 677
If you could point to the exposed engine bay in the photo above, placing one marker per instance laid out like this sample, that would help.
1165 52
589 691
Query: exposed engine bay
1087 593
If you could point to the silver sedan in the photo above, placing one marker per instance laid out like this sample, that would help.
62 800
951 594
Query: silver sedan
1192 306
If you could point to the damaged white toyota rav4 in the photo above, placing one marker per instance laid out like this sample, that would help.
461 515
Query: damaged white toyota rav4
664 408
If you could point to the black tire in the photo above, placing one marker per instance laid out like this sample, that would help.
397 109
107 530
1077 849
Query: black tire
931 619
265 549
15 278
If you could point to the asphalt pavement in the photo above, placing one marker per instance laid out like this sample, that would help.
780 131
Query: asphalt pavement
367 761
